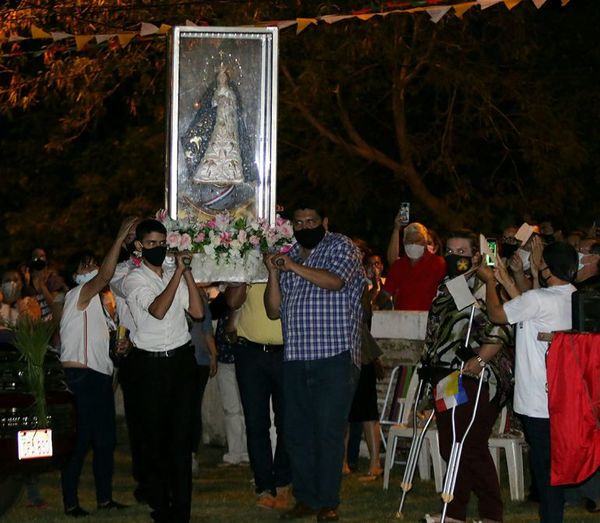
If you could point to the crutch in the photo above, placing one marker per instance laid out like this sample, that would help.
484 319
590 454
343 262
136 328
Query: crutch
457 446
415 449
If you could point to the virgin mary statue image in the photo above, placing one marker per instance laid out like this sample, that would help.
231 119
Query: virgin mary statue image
217 149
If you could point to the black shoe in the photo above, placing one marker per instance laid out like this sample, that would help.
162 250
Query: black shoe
112 504
76 512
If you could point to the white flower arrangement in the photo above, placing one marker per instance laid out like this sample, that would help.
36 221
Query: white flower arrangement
227 247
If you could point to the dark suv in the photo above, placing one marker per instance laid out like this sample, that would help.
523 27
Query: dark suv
17 413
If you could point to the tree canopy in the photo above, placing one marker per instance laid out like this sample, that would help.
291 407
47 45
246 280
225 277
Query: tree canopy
480 121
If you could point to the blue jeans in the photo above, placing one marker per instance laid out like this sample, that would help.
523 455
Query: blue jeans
317 398
96 429
260 379
552 499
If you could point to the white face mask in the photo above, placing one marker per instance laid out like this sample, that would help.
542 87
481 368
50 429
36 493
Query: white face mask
414 251
524 255
80 279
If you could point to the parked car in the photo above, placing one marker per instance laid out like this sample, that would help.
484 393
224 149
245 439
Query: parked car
17 413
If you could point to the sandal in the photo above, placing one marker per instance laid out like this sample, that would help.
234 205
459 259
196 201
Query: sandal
371 475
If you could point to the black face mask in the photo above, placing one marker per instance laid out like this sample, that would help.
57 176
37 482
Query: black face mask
456 265
508 249
38 265
310 238
155 256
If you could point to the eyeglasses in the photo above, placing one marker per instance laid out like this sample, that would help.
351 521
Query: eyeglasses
460 252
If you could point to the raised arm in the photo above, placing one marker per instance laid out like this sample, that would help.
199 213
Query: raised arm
107 269
495 311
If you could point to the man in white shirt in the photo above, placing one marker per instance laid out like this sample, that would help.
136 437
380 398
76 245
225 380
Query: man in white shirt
164 358
127 371
546 309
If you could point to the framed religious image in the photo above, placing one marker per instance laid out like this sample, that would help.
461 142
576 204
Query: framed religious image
222 122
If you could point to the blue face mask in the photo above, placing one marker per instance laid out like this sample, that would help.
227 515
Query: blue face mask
80 279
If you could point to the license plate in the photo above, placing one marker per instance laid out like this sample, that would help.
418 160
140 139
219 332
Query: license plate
34 443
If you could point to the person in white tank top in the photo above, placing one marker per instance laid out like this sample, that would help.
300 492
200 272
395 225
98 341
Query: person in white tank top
84 331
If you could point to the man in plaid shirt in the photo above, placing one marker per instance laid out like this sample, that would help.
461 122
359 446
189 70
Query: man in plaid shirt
316 290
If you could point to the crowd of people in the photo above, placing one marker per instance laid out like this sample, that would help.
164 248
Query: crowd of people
296 353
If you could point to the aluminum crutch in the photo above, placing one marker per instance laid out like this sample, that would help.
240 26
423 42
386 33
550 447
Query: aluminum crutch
457 446
415 450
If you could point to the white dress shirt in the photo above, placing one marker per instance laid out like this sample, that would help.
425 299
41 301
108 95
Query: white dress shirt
141 287
117 287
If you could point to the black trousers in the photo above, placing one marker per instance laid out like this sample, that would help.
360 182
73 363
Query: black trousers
166 387
131 399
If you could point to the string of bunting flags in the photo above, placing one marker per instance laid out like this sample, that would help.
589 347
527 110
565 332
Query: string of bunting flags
436 9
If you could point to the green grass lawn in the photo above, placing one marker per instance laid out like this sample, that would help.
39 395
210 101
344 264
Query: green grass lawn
225 494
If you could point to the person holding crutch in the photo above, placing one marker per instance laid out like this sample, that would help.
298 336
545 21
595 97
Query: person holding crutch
445 352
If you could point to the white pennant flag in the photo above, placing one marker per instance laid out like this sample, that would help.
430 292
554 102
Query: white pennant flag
189 23
60 36
332 19
148 29
436 13
484 4
539 3
14 37
104 38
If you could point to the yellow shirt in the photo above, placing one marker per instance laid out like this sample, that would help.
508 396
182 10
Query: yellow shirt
253 323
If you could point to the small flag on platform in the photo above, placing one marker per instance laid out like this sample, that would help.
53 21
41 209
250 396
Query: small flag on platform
449 392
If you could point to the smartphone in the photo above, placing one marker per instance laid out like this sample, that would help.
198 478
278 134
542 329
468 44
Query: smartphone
493 245
404 213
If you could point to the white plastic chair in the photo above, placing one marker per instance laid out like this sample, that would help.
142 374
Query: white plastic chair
393 409
430 455
513 450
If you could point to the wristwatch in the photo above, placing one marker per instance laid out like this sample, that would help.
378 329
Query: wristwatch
481 362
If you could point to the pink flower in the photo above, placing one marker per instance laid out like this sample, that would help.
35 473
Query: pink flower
279 220
173 239
200 237
242 236
136 261
225 238
286 248
186 242
286 230
254 240
162 215
211 224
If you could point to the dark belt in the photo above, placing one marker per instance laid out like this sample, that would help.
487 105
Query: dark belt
162 353
261 346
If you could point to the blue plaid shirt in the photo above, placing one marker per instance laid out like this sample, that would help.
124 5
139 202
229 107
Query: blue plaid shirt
320 323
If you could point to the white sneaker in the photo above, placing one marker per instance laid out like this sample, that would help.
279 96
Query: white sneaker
437 518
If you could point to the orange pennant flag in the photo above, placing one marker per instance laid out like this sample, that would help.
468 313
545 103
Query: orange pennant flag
461 9
163 29
303 23
511 3
125 38
82 40
364 18
36 32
